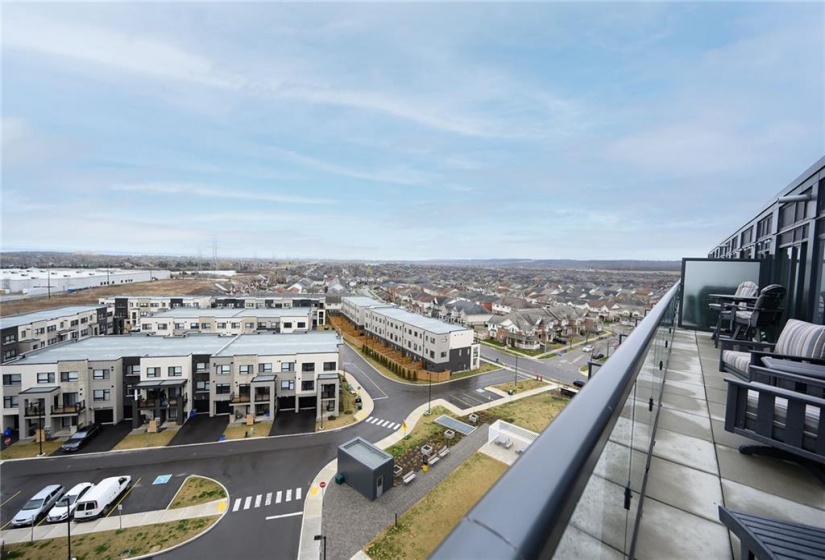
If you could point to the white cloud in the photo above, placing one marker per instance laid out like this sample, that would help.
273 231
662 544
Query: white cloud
188 190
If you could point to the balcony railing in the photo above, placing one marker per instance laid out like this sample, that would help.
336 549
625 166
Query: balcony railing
238 399
74 408
580 478
30 411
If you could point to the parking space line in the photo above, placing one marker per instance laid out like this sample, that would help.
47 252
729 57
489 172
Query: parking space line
6 525
268 498
285 515
258 501
278 497
120 501
289 495
10 499
247 502
297 493
237 505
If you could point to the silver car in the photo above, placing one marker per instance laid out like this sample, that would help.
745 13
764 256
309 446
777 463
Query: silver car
64 508
39 504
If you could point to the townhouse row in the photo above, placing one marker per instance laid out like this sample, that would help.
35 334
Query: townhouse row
438 345
177 322
107 379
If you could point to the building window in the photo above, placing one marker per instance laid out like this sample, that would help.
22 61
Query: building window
100 394
245 370
204 326
8 354
250 325
153 372
288 385
193 326
201 367
162 326
222 388
302 324
100 374
265 368
329 366
443 354
261 325
175 371
51 328
308 368
68 376
180 326
236 325
307 385
201 386
288 366
8 339
45 377
10 402
11 379
287 324
132 370
224 369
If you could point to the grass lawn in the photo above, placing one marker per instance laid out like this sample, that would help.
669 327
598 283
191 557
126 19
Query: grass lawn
239 431
113 545
21 450
419 532
140 441
197 490
522 386
533 413
346 417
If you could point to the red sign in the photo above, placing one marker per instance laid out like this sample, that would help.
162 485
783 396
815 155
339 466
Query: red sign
322 484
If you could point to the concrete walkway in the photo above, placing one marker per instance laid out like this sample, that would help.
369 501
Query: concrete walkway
113 522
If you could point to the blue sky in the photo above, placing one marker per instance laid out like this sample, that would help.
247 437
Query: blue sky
399 131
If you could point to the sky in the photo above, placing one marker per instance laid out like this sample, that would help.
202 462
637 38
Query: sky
398 131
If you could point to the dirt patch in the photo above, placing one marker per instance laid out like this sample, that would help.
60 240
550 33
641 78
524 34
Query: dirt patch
178 287
22 450
140 441
242 431
522 386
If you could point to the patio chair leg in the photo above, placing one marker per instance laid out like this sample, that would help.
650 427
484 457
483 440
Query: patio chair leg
812 467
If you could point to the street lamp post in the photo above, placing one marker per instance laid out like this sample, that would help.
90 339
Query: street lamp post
515 375
40 426
430 393
69 534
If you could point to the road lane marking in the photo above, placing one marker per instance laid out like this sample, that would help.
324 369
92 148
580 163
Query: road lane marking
278 497
237 505
247 502
268 498
285 515
258 501
10 499
394 426
289 495
297 493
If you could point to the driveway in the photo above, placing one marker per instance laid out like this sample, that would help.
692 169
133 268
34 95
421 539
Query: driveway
201 429
105 440
288 422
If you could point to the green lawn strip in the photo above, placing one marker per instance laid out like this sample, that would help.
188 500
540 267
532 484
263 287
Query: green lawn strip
143 440
197 490
521 386
421 528
242 431
532 413
113 545
23 450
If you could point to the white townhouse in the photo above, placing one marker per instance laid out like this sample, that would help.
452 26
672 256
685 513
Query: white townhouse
22 333
127 311
353 308
109 379
177 322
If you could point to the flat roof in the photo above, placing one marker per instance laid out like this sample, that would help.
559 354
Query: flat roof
39 390
427 323
275 344
364 301
45 315
161 383
365 452
227 313
263 378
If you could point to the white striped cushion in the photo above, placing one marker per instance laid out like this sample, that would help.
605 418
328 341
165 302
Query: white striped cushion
801 339
747 289
737 360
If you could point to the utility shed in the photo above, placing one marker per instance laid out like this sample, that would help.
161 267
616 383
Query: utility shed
365 467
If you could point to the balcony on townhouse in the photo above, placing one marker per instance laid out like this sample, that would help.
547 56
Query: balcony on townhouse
69 408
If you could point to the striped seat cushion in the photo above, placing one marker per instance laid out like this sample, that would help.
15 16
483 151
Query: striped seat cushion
747 289
801 339
737 360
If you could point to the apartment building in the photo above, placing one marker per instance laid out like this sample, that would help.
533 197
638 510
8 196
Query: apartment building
177 322
109 379
318 304
353 308
438 345
127 311
22 333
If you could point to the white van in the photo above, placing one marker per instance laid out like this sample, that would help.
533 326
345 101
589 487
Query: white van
97 500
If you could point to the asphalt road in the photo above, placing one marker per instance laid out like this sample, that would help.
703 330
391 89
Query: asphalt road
547 369
267 478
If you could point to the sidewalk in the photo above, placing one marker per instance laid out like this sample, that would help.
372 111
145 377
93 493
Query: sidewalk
113 522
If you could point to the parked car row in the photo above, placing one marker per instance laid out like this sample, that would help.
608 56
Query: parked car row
83 501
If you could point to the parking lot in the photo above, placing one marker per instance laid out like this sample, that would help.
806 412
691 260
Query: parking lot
471 398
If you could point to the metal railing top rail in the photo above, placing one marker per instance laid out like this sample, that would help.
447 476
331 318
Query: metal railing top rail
526 512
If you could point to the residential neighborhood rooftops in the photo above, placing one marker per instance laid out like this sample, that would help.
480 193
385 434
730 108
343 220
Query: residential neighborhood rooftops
416 320
363 301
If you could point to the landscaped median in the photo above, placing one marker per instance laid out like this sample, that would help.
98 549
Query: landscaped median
197 490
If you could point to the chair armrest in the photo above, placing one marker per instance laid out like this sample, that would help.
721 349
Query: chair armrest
728 343
758 373
776 391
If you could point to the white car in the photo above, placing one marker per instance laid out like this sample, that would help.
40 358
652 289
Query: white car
64 508
587 348
37 506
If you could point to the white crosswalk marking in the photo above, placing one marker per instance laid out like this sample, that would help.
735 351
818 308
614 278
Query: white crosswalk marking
371 419
268 498
289 495
247 502
258 501
384 423
278 497
297 493
394 426
237 505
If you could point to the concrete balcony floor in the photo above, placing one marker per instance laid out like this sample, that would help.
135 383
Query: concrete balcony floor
697 466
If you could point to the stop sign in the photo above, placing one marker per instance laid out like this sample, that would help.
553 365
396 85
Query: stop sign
322 484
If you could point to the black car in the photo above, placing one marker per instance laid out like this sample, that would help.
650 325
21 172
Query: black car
80 438
560 340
